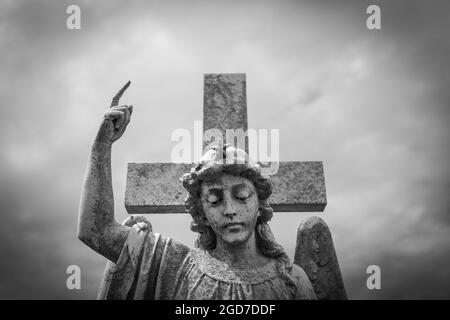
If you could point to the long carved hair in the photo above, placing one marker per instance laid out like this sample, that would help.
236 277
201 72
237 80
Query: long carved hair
209 169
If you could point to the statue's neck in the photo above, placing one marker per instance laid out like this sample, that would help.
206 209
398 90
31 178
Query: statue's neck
244 254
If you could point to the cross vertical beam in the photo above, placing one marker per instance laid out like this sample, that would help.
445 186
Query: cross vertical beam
224 104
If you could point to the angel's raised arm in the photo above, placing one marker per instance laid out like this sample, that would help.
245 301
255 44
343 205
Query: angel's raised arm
96 224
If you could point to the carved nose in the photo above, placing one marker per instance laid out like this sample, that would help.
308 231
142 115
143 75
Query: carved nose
230 214
229 211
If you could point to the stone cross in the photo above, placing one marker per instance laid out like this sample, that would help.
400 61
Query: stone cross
156 187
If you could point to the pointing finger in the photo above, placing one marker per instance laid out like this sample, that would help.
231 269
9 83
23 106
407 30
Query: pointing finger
115 100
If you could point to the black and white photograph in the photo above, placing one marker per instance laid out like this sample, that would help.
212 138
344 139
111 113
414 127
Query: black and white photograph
225 150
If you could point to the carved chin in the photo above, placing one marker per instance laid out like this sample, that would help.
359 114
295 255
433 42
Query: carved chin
236 238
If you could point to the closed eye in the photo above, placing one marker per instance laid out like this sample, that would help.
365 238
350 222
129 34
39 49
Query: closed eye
215 203
242 198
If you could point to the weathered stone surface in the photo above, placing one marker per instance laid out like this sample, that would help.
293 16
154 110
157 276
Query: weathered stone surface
156 187
225 103
299 186
316 255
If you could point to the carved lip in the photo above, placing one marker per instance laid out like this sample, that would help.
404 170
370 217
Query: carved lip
232 224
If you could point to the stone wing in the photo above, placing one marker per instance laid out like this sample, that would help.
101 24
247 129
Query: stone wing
315 254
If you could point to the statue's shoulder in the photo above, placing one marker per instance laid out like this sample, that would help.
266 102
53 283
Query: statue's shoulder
305 288
298 273
177 248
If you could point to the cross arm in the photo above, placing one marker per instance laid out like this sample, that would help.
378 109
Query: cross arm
156 187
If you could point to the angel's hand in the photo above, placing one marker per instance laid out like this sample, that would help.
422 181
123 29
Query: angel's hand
115 120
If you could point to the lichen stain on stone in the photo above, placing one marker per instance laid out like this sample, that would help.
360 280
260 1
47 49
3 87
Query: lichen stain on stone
177 195
141 171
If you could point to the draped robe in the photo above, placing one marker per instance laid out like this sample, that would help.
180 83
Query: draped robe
153 267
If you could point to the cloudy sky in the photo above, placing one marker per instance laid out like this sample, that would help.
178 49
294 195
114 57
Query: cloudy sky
373 105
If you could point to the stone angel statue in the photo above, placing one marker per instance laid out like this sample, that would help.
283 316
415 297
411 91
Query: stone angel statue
235 256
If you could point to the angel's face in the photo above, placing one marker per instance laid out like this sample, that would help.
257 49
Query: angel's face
231 207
